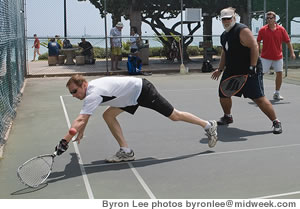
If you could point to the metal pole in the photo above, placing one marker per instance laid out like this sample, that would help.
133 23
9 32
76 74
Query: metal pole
105 23
65 18
265 11
26 72
183 70
181 8
287 29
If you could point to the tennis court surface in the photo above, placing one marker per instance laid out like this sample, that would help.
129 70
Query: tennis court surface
173 158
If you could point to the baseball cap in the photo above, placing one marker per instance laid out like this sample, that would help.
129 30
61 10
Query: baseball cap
227 13
119 24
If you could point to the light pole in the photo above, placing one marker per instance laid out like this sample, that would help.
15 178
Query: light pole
182 67
105 23
265 11
181 43
287 29
65 18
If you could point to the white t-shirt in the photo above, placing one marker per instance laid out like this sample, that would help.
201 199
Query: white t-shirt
111 91
116 42
133 41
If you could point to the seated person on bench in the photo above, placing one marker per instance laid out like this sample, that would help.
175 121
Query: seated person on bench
87 51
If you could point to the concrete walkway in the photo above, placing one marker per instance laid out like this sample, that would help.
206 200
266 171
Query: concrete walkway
101 67
155 65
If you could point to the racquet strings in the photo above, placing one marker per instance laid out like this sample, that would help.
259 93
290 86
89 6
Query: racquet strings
36 171
233 85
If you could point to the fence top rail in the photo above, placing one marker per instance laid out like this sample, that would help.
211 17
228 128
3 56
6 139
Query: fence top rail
103 37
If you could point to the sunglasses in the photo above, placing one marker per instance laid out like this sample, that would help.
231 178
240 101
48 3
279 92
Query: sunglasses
73 91
270 18
227 18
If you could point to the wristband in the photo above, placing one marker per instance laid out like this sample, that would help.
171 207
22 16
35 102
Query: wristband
252 69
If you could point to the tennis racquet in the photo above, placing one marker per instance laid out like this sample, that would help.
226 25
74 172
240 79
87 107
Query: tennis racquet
232 85
35 171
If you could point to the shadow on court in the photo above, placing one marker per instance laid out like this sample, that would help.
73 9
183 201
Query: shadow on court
29 189
273 102
231 134
72 169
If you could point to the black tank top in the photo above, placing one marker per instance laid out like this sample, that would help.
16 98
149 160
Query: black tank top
237 56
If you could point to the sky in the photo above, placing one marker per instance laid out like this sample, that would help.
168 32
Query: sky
46 18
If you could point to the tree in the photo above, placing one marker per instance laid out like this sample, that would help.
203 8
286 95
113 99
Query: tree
154 12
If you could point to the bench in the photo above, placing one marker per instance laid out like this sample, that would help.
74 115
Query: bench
208 49
211 51
80 60
52 60
61 59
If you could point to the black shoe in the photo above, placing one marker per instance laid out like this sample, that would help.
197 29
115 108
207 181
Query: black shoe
225 120
277 129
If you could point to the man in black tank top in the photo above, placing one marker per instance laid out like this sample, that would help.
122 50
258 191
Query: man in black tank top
240 57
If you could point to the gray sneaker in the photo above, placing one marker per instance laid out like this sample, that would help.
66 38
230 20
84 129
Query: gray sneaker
277 96
121 156
212 134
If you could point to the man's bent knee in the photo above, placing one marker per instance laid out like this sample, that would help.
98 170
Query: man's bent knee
111 112
175 115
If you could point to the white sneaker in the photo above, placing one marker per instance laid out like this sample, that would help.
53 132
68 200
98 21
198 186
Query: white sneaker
277 129
120 156
277 96
212 134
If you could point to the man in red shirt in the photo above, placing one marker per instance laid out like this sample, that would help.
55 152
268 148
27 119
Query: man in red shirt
272 36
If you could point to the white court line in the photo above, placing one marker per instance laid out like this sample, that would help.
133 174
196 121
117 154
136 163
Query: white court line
202 155
142 182
84 176
277 195
254 149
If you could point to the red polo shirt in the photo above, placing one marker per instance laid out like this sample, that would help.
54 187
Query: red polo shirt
272 41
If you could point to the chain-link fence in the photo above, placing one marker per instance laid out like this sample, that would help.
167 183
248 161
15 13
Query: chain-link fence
12 60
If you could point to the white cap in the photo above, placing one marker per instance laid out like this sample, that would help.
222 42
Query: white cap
119 24
227 13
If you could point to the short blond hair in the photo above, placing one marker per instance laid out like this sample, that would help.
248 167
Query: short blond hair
77 79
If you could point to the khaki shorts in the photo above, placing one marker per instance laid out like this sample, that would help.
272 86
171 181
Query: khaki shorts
116 51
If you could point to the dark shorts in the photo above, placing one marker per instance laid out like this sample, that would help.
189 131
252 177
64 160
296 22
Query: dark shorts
150 98
253 88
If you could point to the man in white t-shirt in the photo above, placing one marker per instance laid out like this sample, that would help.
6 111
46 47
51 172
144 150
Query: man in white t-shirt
116 45
123 94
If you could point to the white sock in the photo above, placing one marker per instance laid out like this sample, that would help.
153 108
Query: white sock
276 92
208 126
126 149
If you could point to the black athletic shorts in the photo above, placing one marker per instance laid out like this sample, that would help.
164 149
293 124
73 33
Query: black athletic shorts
150 98
253 88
